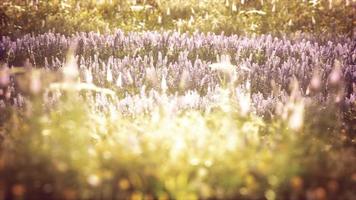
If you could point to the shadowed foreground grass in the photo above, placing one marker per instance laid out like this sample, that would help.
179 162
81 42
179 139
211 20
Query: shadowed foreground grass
76 144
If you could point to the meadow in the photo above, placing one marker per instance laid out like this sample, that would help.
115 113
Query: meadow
177 111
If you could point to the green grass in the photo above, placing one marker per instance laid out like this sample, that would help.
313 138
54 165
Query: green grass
73 149
228 16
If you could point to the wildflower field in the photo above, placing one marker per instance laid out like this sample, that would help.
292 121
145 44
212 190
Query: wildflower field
187 111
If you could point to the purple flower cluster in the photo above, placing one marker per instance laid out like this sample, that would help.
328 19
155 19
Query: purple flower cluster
128 62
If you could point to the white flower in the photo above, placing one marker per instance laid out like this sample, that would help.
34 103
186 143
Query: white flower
109 75
119 81
234 7
223 65
70 70
88 77
137 8
296 119
164 86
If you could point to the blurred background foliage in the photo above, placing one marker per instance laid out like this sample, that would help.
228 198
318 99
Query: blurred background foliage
18 17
